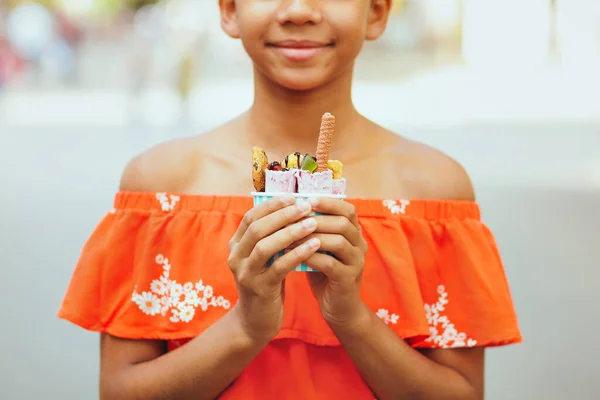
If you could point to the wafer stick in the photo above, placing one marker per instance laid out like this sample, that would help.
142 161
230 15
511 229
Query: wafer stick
324 143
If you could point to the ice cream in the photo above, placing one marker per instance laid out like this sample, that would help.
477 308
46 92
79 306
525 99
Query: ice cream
319 181
283 181
315 183
338 186
304 175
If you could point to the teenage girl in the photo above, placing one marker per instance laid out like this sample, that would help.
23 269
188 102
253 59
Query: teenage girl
175 279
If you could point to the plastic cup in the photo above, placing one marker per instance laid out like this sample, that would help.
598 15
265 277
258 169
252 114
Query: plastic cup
260 197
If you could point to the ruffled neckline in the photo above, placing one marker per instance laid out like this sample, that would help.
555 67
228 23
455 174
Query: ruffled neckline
428 209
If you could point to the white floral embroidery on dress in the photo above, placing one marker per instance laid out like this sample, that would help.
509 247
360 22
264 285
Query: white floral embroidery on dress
396 208
181 300
387 317
449 336
167 202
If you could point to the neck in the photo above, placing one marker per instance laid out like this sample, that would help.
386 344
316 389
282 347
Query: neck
284 121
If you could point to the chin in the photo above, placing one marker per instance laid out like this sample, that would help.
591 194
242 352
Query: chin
300 80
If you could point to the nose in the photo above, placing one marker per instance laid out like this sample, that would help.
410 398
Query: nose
299 12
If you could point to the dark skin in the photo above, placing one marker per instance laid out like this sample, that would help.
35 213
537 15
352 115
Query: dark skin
289 99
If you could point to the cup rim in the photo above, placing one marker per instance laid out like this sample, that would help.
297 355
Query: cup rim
303 195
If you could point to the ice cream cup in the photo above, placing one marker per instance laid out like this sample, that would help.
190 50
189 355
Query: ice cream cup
260 197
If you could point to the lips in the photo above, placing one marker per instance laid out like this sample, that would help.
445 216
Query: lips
299 50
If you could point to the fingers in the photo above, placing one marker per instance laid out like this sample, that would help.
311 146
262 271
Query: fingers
280 240
338 246
290 260
334 244
332 206
268 207
265 226
333 225
330 224
328 265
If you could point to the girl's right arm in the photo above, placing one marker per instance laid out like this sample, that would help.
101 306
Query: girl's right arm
203 368
207 365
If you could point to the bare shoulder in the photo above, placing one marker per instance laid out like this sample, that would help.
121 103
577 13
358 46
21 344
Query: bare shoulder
450 179
171 166
428 173
163 167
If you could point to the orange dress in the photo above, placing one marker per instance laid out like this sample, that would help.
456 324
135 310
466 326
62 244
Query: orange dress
156 268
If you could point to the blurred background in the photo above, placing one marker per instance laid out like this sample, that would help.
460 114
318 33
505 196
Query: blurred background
510 88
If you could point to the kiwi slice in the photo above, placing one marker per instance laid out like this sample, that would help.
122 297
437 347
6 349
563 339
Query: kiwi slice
309 163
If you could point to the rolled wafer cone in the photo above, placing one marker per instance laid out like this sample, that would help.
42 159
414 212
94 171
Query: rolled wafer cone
324 143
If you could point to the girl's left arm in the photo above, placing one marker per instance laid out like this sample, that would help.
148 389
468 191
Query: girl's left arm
391 367
394 370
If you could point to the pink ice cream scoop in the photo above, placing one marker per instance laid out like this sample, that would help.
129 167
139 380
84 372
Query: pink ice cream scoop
280 181
339 186
315 183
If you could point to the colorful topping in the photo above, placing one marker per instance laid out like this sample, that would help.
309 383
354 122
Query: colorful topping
324 143
309 163
260 163
275 166
337 167
316 174
292 161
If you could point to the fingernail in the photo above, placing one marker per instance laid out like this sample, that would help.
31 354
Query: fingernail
287 199
309 223
314 243
303 206
313 201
